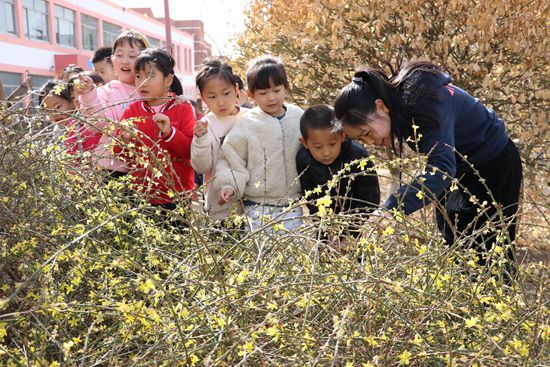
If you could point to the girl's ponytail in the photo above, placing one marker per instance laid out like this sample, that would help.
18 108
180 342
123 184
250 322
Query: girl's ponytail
176 86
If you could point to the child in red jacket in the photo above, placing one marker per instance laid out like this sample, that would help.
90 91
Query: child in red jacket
158 142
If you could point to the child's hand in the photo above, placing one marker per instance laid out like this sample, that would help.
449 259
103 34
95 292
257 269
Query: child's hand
163 123
225 194
83 85
201 128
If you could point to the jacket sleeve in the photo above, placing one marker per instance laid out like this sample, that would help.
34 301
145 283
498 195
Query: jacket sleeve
201 153
232 166
93 103
437 144
307 183
178 142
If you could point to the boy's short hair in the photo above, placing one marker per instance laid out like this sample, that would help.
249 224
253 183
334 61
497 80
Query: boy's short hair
320 116
103 53
265 71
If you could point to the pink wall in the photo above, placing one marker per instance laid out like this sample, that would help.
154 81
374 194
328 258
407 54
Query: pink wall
78 53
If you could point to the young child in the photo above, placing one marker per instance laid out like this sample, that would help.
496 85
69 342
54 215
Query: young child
111 100
69 71
55 98
324 152
160 139
258 164
103 64
216 84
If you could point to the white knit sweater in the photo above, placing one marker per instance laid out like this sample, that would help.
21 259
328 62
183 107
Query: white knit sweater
204 156
259 157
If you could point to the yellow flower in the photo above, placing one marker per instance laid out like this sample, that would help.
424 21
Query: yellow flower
420 195
404 358
471 322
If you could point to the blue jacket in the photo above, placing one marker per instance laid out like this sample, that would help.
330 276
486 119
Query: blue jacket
454 119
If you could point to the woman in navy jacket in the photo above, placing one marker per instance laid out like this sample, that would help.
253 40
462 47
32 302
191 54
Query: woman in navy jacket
461 137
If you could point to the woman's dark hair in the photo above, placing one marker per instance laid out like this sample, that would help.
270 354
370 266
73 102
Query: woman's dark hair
133 38
214 67
56 87
266 72
405 95
163 62
320 116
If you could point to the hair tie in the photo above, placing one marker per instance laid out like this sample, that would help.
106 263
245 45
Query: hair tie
357 79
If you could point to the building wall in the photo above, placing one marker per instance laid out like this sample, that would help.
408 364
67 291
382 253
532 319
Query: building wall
202 49
20 55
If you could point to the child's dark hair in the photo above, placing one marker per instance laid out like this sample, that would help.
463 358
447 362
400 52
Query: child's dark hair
214 67
132 38
163 62
57 87
266 72
320 116
70 69
239 82
103 53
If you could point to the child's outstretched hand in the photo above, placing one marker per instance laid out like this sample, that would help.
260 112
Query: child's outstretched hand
83 85
201 128
163 123
225 194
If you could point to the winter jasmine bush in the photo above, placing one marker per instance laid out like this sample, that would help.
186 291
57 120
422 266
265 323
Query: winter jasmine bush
93 276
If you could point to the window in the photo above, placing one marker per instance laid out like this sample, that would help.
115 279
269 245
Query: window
64 26
190 60
7 17
110 33
89 32
154 42
35 19
10 82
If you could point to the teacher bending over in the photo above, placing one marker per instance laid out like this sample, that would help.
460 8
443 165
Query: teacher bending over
421 107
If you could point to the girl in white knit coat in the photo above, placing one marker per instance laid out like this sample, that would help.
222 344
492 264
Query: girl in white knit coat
258 165
217 87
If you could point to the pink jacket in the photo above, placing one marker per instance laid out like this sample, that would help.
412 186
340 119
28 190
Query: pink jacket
109 101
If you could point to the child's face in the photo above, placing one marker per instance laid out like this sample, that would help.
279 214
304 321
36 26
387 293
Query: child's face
270 100
152 85
59 109
106 70
124 59
220 96
323 144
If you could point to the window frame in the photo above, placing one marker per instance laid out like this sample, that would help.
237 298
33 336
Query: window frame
57 20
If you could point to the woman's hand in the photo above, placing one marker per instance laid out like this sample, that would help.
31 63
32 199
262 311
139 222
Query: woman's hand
201 128
163 123
225 194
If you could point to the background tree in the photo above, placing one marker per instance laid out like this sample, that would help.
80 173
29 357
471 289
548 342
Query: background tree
497 51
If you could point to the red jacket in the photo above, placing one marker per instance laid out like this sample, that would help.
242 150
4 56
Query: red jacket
150 146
